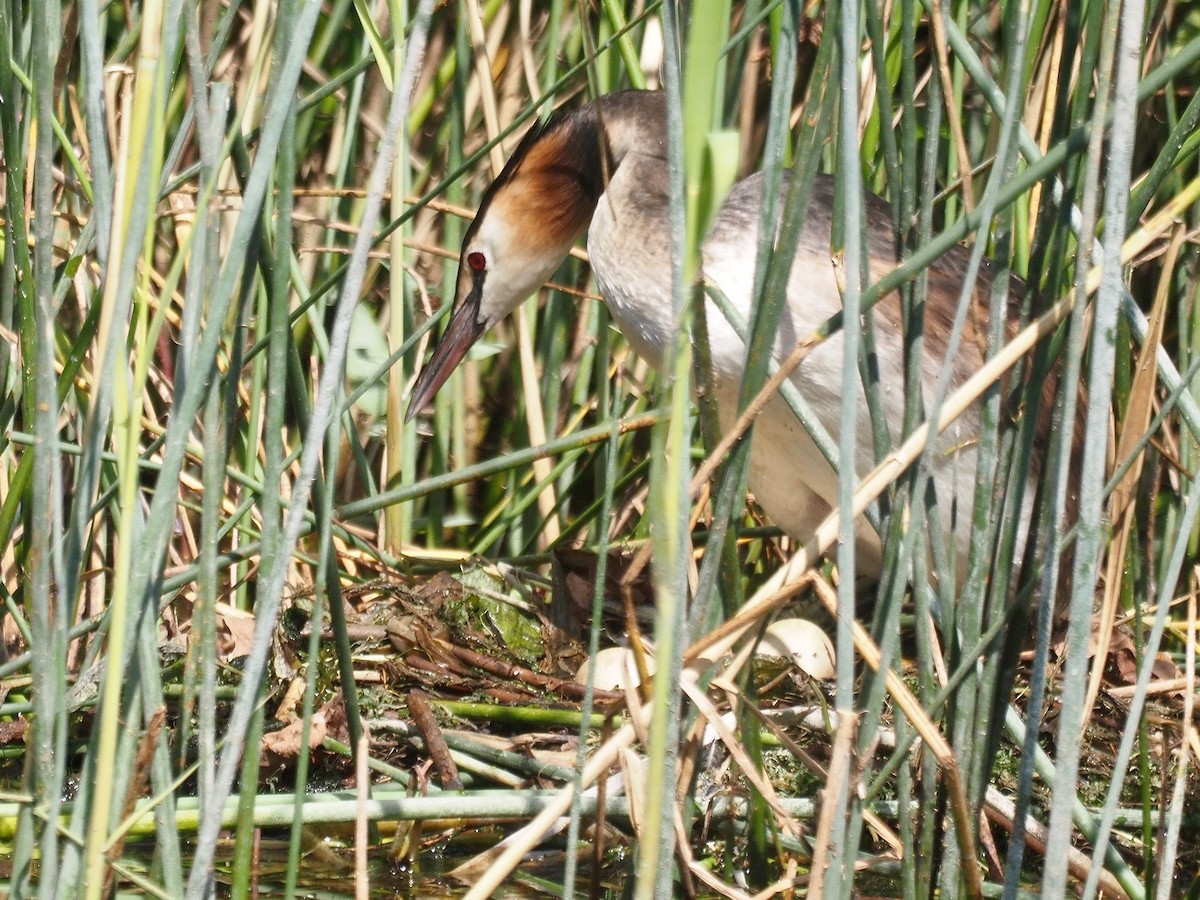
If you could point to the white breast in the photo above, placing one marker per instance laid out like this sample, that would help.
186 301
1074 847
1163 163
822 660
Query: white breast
789 477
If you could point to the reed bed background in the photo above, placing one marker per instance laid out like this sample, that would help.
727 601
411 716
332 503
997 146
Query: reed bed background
230 230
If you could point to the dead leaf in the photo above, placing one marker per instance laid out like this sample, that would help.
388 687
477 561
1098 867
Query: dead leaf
235 632
286 742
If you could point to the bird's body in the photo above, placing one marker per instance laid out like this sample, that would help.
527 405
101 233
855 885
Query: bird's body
554 187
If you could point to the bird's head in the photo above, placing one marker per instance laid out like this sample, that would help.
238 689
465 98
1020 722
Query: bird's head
527 222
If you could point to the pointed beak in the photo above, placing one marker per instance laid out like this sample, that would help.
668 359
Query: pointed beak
464 331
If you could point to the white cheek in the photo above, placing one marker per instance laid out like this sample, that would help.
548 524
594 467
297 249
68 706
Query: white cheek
514 270
523 273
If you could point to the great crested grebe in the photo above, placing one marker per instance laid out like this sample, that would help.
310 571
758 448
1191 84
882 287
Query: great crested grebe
553 188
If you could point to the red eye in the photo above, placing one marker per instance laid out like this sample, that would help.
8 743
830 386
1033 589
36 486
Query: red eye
477 261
